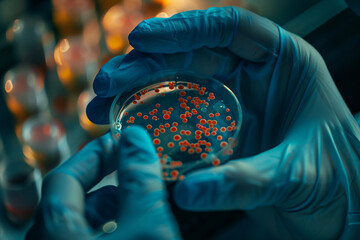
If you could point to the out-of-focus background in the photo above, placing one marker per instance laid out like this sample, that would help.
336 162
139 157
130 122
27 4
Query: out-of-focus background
50 51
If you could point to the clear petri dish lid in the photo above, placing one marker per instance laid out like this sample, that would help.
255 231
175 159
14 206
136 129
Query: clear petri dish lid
193 120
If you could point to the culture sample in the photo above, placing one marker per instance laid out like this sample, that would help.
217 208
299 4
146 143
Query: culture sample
194 120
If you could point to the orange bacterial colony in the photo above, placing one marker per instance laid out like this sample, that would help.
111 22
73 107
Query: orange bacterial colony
191 125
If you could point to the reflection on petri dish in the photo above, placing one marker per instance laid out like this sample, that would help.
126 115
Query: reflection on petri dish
194 120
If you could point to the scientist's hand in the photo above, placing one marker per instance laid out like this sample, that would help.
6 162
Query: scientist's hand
295 170
139 203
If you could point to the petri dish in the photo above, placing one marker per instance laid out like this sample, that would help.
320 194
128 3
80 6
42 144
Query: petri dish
193 119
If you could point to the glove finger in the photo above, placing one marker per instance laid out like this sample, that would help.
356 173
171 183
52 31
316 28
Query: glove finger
134 71
101 206
140 175
113 63
246 34
98 110
137 68
91 164
61 211
60 214
106 70
357 117
142 193
242 184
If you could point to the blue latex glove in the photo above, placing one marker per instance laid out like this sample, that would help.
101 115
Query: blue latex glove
296 168
357 117
138 203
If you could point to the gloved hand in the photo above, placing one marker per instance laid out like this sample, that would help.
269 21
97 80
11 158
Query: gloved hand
357 117
296 168
138 204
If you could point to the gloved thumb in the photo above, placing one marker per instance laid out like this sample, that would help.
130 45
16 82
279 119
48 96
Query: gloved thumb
101 206
139 172
142 192
241 184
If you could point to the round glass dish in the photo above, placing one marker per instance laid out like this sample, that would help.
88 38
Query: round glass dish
194 120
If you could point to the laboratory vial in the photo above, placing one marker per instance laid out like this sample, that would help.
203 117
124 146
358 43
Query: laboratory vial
117 24
44 142
33 41
20 193
24 91
77 63
70 16
194 120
